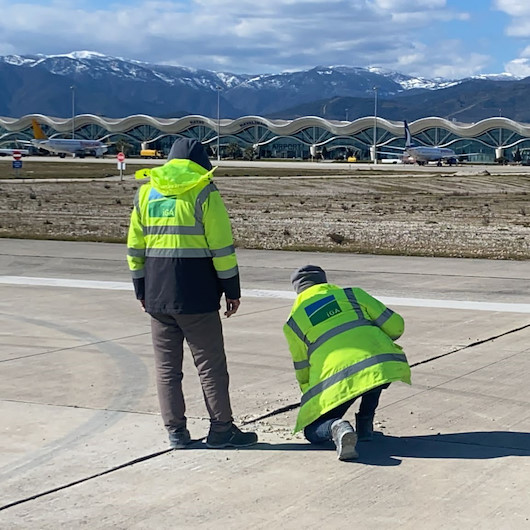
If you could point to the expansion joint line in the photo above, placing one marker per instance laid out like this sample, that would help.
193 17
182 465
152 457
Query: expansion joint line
74 347
293 406
476 343
85 479
275 412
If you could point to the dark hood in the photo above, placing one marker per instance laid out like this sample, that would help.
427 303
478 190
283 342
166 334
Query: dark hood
190 149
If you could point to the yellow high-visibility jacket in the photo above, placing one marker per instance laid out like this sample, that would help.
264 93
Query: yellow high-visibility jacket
180 248
342 345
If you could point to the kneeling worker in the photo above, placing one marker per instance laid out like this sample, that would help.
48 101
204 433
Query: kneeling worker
341 341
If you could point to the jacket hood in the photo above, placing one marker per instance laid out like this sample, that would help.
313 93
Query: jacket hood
190 149
176 176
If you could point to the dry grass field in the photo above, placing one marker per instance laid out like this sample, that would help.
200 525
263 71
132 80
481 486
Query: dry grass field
333 209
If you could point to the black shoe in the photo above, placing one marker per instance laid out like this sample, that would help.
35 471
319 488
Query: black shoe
231 438
179 439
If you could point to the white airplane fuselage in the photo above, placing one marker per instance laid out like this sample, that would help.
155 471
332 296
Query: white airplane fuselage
71 146
7 152
430 154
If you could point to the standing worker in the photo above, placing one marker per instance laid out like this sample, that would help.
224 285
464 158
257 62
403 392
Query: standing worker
341 341
182 258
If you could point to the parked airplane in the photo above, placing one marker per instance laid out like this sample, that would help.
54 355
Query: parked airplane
422 154
64 146
9 152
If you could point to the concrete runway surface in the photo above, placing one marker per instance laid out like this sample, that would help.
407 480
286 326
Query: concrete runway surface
82 443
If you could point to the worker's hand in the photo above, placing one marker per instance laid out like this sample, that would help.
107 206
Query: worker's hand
231 306
142 303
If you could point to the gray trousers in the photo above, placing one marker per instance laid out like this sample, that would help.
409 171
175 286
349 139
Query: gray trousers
204 335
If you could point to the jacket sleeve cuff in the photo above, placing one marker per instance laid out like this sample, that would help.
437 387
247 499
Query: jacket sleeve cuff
139 288
231 287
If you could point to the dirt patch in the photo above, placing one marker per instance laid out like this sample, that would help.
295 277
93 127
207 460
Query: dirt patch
485 216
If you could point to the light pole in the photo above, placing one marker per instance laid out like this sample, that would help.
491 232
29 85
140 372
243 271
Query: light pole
218 88
73 110
500 150
500 128
375 125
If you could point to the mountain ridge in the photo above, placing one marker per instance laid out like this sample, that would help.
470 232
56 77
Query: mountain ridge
116 87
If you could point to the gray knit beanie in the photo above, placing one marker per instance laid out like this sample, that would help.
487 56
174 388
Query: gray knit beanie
307 276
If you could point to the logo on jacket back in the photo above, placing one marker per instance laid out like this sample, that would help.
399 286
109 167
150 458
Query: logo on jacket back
162 208
322 309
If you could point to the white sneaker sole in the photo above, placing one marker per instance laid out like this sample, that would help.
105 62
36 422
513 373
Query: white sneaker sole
346 448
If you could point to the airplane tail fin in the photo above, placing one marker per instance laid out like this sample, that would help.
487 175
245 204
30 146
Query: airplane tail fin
38 133
408 136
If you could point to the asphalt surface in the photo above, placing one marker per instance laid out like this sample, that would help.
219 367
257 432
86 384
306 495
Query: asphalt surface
82 442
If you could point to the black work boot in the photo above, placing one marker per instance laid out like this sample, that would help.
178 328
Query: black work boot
364 425
179 439
231 438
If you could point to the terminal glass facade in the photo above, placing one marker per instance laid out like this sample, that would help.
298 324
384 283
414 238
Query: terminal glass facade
303 138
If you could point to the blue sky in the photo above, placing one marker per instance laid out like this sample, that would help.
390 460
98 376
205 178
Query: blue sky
430 38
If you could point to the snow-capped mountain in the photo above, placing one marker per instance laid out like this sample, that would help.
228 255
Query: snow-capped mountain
117 87
96 65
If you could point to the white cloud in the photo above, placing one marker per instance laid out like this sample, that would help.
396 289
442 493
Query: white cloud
519 27
519 10
244 35
519 67
408 6
435 63
514 8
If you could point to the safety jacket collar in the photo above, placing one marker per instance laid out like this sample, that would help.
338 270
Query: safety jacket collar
317 289
176 176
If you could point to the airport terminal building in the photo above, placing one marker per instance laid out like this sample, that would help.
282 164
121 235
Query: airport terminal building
301 138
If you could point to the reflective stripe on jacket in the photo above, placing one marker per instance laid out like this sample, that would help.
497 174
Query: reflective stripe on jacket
341 342
179 223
